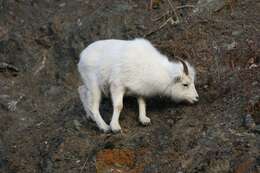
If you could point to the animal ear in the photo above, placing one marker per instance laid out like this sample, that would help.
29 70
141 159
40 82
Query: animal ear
177 79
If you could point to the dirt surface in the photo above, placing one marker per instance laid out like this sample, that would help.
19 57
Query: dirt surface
42 123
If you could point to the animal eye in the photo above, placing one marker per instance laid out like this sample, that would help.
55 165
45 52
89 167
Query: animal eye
185 85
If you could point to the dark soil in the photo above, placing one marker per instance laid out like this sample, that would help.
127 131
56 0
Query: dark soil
42 123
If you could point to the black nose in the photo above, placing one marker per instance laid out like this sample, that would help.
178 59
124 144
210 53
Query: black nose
197 98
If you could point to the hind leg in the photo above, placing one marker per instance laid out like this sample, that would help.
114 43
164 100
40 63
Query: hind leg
95 98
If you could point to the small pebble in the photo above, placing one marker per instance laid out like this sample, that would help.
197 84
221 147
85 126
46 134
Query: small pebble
79 22
231 46
78 161
254 83
236 33
249 122
170 122
205 86
62 4
77 124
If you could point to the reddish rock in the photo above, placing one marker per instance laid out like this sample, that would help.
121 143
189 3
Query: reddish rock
247 166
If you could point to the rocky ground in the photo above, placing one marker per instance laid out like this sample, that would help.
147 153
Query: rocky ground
42 123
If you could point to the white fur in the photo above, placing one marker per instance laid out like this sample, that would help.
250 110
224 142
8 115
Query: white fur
131 67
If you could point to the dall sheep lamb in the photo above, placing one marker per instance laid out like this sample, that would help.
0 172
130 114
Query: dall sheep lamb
134 67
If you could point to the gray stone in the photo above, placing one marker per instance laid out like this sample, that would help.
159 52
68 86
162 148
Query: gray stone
249 122
209 5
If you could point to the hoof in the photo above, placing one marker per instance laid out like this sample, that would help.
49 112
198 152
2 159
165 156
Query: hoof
145 121
116 131
105 129
115 128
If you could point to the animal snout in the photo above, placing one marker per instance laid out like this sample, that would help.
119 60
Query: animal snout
196 99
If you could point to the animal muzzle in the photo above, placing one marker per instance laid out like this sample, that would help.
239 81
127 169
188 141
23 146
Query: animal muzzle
196 99
193 100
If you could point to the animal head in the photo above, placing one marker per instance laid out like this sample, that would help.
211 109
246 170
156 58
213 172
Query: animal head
183 87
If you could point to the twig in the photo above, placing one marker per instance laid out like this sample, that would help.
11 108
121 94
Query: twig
170 11
216 58
174 11
169 19
151 32
41 66
163 15
84 166
185 6
12 104
91 154
150 6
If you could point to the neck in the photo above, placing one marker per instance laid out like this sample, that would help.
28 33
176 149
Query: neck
173 70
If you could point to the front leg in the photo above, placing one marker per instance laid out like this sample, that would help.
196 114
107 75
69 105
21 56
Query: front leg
117 94
142 113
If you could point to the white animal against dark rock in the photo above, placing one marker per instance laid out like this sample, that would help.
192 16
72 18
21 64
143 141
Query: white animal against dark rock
134 67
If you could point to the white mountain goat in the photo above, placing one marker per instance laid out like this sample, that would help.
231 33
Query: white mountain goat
132 67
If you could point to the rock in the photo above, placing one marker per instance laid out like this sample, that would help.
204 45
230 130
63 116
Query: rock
247 166
209 5
255 83
62 4
237 33
79 22
230 46
253 66
170 122
8 67
249 122
77 124
120 159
